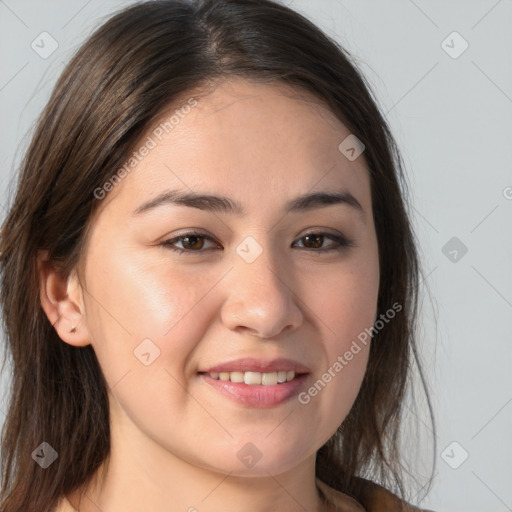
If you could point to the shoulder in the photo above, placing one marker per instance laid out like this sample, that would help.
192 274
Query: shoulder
341 502
64 506
379 499
374 498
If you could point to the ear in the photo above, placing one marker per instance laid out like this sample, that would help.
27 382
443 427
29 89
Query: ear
62 301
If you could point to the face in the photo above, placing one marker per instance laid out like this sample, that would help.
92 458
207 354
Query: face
178 295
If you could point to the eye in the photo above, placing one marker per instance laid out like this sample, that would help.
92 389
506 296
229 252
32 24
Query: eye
194 242
315 241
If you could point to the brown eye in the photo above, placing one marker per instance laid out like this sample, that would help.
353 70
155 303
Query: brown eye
314 241
195 242
191 242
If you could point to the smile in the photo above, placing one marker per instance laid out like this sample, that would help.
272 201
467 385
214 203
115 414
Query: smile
255 389
255 378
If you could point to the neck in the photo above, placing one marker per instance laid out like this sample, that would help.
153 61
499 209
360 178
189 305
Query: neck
140 475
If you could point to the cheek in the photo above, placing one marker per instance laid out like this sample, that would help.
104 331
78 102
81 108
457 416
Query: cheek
347 304
134 309
146 321
346 310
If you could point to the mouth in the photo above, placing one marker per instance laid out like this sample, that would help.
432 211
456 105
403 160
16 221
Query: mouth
255 378
257 395
257 383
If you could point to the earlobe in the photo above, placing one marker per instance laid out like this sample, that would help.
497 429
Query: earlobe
62 302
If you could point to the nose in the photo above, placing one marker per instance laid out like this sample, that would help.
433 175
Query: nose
261 299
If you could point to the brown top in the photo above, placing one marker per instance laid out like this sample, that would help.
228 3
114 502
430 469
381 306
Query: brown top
377 499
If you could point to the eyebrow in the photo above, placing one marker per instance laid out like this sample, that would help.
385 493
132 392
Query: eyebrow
221 204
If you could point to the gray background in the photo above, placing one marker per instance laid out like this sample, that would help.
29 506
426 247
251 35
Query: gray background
451 114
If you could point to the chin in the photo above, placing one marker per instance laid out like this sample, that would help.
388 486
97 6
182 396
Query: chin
258 458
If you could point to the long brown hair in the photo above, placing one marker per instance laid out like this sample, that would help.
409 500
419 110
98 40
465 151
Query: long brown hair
141 60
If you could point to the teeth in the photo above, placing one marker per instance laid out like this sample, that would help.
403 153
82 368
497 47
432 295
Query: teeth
255 378
269 379
236 376
252 378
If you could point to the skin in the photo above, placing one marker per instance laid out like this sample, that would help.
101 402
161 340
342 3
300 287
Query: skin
173 437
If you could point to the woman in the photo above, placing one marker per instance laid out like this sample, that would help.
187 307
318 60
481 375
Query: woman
209 277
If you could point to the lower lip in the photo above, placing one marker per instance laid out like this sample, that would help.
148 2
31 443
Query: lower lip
257 395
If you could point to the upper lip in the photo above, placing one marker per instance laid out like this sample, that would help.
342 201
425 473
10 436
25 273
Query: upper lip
249 364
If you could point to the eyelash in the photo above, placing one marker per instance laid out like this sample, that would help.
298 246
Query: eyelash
341 242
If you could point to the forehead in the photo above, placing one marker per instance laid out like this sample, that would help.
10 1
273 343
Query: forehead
246 140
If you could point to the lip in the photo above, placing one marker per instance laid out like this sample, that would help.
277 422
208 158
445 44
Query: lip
257 395
250 364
